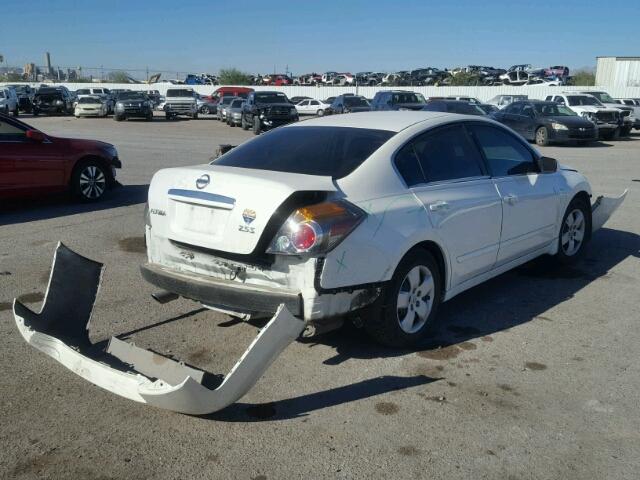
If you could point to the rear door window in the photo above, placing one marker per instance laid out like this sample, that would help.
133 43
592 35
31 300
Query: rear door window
11 133
448 154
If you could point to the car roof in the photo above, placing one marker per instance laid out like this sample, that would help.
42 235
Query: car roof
393 121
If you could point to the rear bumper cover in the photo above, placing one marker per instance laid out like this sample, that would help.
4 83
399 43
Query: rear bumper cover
603 208
221 293
61 331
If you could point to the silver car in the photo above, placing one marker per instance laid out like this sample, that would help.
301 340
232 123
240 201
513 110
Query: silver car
222 107
234 112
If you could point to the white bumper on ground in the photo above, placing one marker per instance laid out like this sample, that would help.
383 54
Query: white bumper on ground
603 208
61 331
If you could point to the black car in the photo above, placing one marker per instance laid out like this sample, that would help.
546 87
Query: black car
487 108
53 100
265 110
453 106
397 100
545 122
133 105
348 103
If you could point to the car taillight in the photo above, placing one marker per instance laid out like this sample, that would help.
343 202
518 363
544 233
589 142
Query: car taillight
317 228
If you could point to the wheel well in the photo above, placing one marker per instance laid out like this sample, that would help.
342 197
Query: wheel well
434 249
98 159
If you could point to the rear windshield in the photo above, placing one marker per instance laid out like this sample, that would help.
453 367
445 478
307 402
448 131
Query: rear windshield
179 93
89 100
408 98
355 102
326 151
83 91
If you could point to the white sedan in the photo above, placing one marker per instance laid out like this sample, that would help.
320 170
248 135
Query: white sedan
90 107
383 214
398 209
311 107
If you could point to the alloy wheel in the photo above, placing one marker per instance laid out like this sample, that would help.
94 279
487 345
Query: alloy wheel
415 299
573 232
92 182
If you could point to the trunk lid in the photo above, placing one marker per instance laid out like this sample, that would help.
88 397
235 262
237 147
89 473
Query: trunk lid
220 207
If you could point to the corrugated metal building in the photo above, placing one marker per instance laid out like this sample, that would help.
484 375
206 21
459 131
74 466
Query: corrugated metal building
618 71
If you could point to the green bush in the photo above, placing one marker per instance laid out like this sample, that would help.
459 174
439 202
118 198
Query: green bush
233 76
583 78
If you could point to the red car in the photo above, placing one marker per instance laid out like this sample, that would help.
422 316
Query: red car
33 163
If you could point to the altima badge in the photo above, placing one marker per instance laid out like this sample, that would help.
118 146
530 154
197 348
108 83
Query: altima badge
203 181
248 216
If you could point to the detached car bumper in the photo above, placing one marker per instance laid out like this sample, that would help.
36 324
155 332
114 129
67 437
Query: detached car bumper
60 330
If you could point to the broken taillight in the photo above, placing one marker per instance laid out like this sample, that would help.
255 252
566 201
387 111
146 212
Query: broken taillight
317 228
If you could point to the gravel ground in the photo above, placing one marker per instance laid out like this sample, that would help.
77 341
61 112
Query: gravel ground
533 375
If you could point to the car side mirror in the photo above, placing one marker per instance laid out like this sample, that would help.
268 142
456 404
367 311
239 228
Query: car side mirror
548 164
36 136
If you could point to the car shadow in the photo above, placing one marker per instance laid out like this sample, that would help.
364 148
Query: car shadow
22 211
511 299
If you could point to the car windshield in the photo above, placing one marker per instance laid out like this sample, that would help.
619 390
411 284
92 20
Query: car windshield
603 97
355 101
227 100
236 103
89 100
83 91
553 110
327 151
179 93
271 98
576 100
408 98
131 96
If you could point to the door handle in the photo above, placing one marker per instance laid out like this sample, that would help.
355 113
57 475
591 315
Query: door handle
439 206
510 199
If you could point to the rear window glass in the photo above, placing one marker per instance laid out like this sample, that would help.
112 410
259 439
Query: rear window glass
326 151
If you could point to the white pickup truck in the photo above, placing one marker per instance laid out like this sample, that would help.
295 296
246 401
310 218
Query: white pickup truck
628 114
608 120
180 101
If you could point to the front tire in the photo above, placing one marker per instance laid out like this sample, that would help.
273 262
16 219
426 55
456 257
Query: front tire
89 181
409 302
320 113
256 125
542 136
574 232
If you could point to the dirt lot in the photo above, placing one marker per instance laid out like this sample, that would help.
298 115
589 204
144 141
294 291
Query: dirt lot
534 374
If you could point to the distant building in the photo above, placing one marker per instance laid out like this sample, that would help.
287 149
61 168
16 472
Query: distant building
618 71
30 71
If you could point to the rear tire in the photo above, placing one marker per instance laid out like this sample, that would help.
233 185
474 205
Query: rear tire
542 136
575 231
89 181
407 306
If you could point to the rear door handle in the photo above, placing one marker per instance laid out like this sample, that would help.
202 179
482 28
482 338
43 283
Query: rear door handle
439 206
510 199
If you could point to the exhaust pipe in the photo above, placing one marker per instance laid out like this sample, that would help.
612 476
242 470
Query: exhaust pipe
163 296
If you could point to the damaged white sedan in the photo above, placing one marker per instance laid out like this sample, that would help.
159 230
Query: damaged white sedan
383 215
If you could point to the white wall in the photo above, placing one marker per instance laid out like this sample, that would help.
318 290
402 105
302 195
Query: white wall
482 93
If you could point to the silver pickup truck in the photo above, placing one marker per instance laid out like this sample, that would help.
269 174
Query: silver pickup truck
180 101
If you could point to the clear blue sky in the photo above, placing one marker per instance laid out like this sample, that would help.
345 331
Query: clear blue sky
316 35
